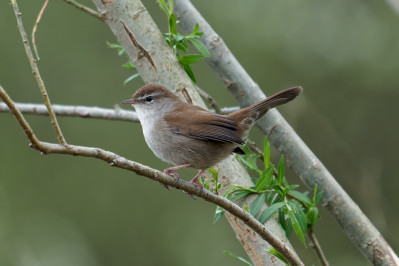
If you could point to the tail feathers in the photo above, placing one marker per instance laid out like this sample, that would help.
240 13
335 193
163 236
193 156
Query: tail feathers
275 100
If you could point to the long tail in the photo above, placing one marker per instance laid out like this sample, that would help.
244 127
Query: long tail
249 115
282 97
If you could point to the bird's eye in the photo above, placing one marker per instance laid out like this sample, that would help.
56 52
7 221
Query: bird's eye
149 99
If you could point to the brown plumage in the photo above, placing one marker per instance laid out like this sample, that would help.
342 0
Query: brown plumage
190 136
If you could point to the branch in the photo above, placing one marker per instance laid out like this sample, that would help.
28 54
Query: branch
116 114
301 159
36 73
121 162
39 17
85 9
210 100
316 246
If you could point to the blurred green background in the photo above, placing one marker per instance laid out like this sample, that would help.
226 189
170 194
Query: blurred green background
63 210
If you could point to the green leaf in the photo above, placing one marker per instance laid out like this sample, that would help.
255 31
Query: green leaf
297 227
181 47
238 195
200 47
257 204
301 217
300 196
265 179
278 255
288 230
190 59
132 77
237 257
189 72
248 164
171 6
218 214
289 188
281 218
312 216
280 173
245 207
172 24
318 197
266 153
129 65
163 7
196 28
269 211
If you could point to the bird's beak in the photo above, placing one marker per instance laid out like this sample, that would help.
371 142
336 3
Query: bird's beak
130 101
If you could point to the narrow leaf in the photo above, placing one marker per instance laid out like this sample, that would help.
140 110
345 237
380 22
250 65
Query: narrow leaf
257 204
297 227
318 197
269 211
189 72
288 230
237 257
300 196
265 179
172 24
281 219
218 214
312 216
266 153
278 255
238 195
280 173
200 47
132 77
190 59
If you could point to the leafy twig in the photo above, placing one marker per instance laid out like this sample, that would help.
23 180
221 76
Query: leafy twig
36 73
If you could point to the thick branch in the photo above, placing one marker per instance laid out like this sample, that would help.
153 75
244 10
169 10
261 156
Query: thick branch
121 162
301 159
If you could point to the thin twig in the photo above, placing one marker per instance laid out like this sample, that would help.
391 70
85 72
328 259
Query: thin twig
39 17
36 73
314 243
85 9
210 100
21 120
85 111
121 162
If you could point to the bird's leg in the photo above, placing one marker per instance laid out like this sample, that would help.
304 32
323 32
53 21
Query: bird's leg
195 182
195 179
169 170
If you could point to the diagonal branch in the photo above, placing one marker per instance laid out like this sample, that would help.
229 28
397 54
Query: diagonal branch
301 159
36 73
85 9
121 162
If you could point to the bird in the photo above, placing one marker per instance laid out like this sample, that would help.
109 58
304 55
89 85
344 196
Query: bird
186 135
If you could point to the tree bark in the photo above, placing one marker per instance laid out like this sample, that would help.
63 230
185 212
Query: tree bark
298 155
156 63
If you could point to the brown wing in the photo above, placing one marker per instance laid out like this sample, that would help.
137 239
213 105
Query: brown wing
197 123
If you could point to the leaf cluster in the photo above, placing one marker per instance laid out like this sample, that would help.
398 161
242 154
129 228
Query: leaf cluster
180 42
295 210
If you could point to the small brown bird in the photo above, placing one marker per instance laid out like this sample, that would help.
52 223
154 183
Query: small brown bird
187 135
